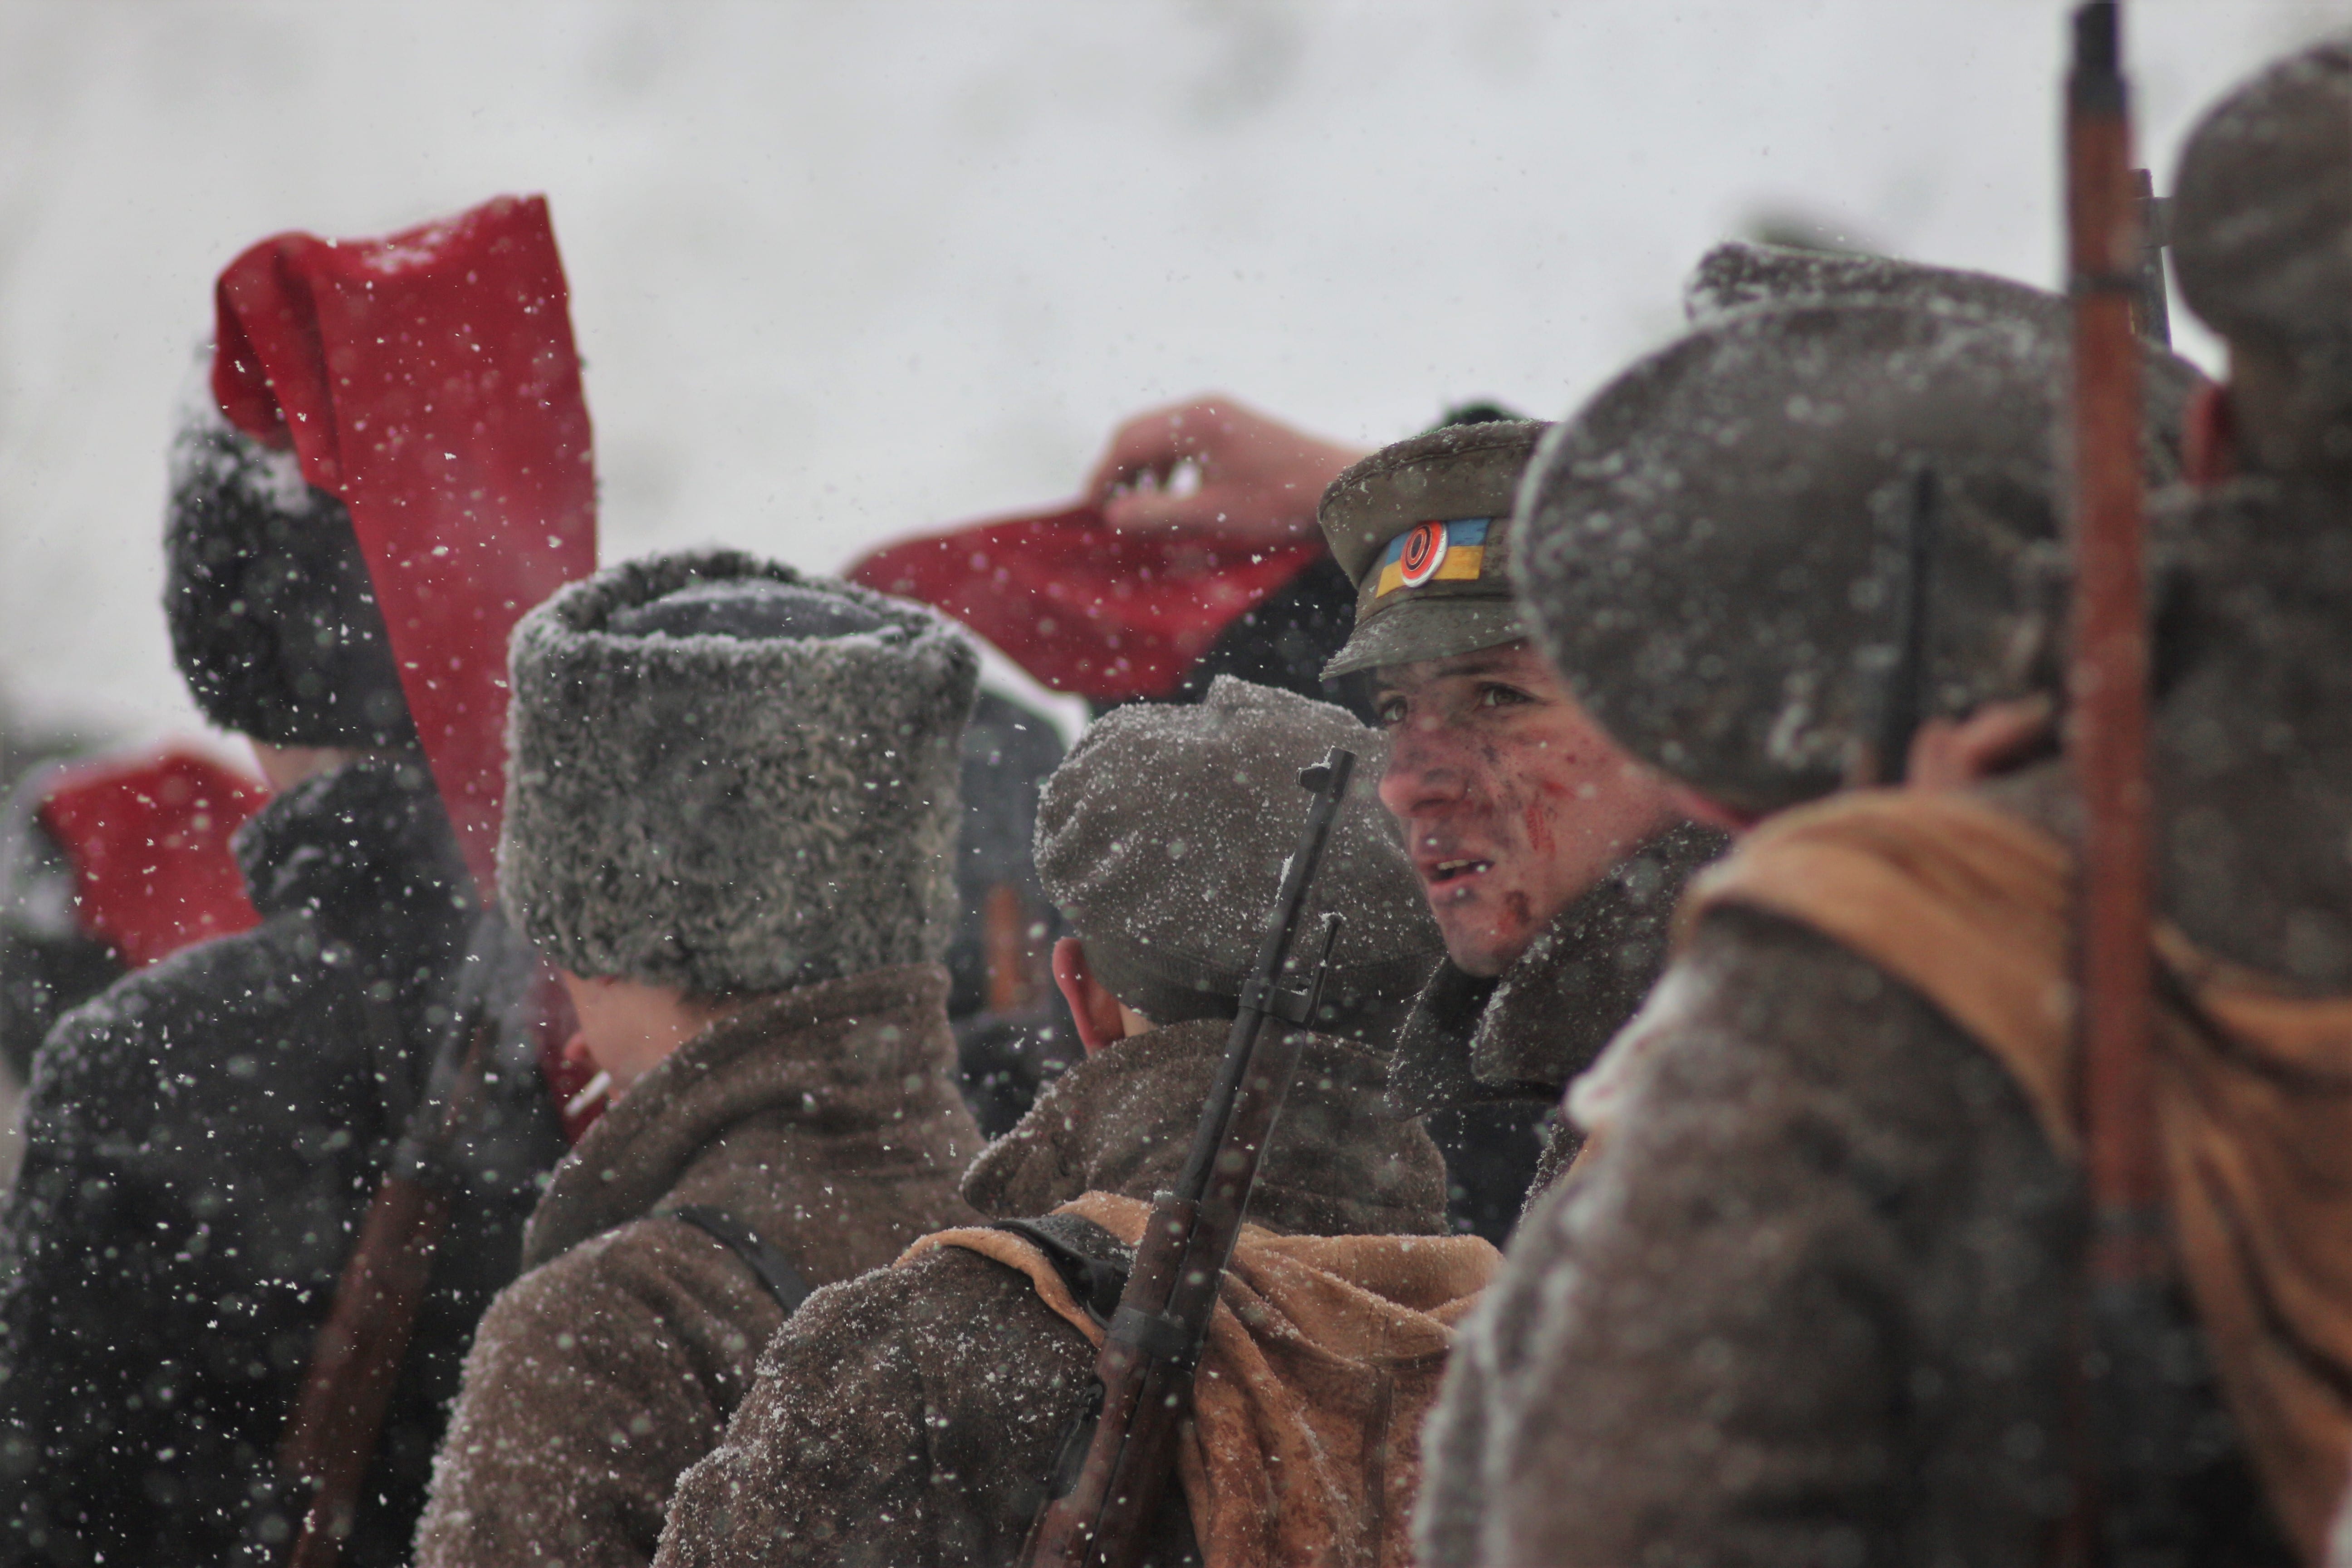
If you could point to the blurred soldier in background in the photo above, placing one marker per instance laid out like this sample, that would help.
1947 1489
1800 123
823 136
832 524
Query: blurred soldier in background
203 1139
105 866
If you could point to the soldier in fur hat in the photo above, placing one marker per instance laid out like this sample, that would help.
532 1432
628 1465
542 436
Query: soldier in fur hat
1548 856
203 1138
1808 1297
916 1414
731 824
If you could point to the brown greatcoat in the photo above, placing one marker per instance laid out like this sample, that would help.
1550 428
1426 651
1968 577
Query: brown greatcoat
827 1120
910 1417
1807 1297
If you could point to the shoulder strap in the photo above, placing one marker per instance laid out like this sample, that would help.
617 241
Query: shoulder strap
1092 1262
782 1279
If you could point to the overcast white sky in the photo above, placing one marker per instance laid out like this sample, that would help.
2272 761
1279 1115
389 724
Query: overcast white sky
844 271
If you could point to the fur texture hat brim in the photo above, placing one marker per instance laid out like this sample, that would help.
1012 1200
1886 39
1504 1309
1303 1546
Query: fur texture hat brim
726 815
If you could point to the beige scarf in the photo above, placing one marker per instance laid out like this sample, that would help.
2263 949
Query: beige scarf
1970 908
1324 1355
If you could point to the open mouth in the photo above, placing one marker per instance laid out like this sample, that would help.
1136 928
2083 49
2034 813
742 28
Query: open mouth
1443 873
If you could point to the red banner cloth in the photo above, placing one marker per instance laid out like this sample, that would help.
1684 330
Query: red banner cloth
429 381
148 838
1081 606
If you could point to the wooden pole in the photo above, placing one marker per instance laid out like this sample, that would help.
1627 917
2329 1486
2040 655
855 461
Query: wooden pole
2108 674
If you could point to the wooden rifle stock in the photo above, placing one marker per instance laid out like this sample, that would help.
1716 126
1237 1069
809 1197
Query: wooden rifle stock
2122 1510
1154 1341
330 1438
356 1359
2108 676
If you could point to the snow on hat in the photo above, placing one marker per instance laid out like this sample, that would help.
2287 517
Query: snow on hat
428 382
1162 836
2261 210
1713 549
273 619
1739 274
729 777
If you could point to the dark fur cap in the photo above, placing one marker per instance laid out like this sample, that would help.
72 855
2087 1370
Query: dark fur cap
273 619
727 777
1162 836
1713 549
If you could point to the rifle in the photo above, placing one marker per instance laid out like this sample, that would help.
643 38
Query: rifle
330 1436
1905 695
2107 681
1154 1340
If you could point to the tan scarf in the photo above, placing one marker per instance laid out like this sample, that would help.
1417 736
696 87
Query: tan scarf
1970 907
1323 1355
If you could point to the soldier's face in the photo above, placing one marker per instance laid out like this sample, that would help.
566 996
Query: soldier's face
1514 802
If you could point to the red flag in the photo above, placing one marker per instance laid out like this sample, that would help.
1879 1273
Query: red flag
428 380
148 838
1081 606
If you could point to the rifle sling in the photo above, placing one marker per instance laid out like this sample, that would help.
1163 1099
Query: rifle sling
1094 1264
781 1281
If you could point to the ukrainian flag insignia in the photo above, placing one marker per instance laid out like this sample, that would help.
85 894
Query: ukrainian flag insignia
1434 551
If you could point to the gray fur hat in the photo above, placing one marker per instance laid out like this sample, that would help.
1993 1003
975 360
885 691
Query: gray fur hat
1162 836
1739 274
2262 212
727 777
1715 550
1423 529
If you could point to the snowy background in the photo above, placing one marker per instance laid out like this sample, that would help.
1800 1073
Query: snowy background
841 272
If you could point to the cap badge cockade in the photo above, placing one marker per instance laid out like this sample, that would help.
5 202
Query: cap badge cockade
1434 551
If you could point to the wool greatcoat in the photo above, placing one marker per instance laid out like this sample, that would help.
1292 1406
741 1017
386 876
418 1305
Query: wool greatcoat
1484 1060
201 1141
826 1118
1807 1299
910 1417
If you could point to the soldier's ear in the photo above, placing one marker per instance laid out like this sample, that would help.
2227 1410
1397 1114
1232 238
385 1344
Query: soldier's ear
2209 437
1093 1008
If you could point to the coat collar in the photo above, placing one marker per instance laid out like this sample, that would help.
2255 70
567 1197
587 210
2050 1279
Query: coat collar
837 1062
1122 1121
1525 1034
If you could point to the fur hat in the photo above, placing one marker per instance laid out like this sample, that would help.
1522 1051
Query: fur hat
2261 214
728 777
1423 529
1739 274
273 617
1162 836
1715 550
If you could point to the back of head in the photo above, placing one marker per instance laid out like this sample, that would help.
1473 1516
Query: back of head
728 778
2261 242
1162 837
1715 550
273 618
